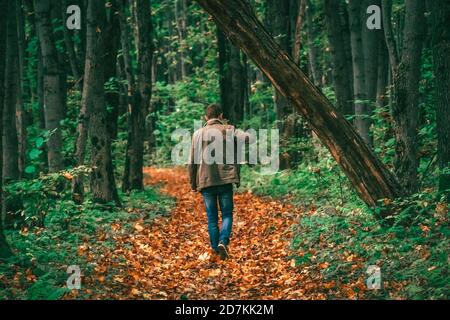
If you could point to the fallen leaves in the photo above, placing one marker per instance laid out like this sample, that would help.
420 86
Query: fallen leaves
171 257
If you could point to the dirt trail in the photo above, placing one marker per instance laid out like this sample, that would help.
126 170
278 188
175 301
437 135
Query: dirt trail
171 259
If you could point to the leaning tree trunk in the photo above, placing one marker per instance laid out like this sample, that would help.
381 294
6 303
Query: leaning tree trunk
5 251
370 178
342 70
53 95
103 185
440 16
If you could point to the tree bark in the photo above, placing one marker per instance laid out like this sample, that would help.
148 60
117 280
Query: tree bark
70 49
103 185
440 17
232 79
180 19
112 47
53 95
313 50
382 74
370 178
37 113
362 122
10 139
21 114
337 30
296 48
5 251
389 33
405 107
142 105
371 42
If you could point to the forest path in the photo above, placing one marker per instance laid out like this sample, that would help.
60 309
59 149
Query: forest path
171 258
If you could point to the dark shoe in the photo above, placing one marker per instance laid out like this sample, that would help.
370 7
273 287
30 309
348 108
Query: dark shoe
223 251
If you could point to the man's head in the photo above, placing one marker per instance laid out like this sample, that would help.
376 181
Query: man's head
214 111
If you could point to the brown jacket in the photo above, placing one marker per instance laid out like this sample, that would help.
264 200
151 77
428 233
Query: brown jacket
218 169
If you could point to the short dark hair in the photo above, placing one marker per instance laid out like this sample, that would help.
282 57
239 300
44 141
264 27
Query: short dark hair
214 111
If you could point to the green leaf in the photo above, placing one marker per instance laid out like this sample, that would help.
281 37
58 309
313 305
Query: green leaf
39 142
35 153
30 169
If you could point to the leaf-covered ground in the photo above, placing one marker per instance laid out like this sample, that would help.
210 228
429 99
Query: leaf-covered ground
170 258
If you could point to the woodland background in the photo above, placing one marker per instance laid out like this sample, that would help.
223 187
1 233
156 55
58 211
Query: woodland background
84 111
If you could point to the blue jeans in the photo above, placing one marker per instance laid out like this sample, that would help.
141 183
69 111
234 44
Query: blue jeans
224 195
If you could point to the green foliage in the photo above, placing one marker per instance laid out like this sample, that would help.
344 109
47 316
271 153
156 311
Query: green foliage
339 237
42 255
39 197
413 256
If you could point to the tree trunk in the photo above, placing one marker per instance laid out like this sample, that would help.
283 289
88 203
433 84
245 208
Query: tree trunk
70 49
362 122
180 19
279 26
313 50
112 47
382 73
5 251
53 95
405 107
21 116
141 105
370 178
232 85
103 185
440 16
371 42
296 48
37 113
10 139
342 72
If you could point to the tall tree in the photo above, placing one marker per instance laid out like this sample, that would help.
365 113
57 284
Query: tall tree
103 185
371 39
5 251
370 178
70 48
140 105
362 122
406 74
313 49
232 79
280 15
53 89
180 13
10 139
111 50
21 113
440 17
338 31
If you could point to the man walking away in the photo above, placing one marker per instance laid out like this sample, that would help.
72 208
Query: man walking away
213 169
